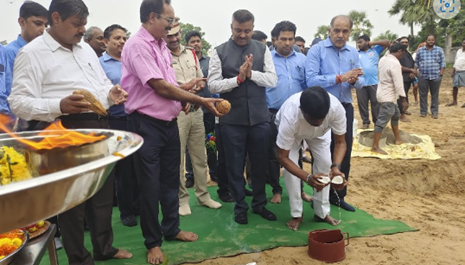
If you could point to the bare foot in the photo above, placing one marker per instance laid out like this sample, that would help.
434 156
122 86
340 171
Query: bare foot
331 220
294 223
122 254
306 197
403 118
399 142
276 198
187 236
378 150
155 256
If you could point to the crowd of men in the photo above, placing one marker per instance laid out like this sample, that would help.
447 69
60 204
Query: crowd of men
283 96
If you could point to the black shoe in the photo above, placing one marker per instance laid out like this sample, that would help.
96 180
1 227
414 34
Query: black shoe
344 205
266 214
129 221
248 193
214 178
241 218
226 198
189 183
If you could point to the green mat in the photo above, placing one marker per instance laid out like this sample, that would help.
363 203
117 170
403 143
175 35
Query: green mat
219 235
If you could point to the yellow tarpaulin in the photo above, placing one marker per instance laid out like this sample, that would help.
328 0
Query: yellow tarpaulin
423 150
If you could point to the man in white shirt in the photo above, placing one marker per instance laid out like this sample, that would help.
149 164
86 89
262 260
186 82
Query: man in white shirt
311 116
458 74
46 72
390 89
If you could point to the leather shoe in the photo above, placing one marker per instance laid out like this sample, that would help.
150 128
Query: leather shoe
189 183
344 205
266 214
241 218
226 198
129 221
248 193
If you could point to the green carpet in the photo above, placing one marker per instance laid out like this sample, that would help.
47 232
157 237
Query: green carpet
219 235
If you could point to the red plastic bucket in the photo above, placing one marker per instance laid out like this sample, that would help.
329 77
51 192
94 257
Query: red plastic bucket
327 245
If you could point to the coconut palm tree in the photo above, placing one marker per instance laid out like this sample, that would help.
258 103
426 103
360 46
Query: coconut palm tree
322 32
361 24
387 35
414 12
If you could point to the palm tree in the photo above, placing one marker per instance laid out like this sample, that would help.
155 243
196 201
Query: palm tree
387 35
361 24
322 32
414 12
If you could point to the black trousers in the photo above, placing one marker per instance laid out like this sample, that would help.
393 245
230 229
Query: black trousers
97 211
273 165
127 190
209 123
239 140
345 165
221 175
407 86
157 170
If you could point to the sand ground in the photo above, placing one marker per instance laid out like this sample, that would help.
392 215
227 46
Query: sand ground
427 195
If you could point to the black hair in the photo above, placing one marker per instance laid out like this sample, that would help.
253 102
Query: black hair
344 16
403 37
283 26
30 8
306 50
243 16
396 47
151 6
298 38
463 39
67 8
430 35
259 35
109 30
315 102
364 37
192 33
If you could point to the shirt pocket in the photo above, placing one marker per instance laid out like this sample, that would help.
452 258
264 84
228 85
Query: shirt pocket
298 73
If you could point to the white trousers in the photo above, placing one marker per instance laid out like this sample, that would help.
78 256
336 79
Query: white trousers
320 150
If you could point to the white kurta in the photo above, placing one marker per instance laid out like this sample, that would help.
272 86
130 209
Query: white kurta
292 130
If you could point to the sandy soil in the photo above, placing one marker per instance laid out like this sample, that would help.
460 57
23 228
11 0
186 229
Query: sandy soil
427 195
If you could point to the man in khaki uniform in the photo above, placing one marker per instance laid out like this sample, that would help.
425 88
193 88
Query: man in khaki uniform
191 127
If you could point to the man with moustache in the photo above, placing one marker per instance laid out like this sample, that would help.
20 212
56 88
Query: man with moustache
240 70
94 36
191 128
47 71
33 21
152 112
127 194
334 65
431 64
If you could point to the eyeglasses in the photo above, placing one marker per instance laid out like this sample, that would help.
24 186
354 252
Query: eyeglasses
169 20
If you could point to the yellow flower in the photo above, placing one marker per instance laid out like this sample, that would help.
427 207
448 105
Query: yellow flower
13 166
17 242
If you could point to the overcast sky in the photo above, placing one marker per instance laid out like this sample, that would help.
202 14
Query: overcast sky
214 16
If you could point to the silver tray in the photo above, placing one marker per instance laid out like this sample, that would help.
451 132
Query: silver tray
8 259
63 177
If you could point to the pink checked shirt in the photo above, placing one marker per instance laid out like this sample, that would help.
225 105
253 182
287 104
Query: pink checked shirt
146 58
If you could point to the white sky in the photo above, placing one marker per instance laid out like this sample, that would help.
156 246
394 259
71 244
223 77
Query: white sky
214 16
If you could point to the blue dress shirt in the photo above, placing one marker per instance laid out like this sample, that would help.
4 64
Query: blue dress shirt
4 108
369 60
291 78
325 61
12 50
113 68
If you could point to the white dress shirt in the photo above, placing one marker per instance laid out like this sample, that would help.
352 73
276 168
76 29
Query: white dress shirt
391 82
217 84
292 126
46 72
459 64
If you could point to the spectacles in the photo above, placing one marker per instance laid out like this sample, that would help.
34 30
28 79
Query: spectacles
169 20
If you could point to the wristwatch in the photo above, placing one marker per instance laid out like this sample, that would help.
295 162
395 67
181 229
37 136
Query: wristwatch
336 165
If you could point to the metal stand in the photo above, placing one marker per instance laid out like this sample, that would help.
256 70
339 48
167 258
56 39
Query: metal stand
33 252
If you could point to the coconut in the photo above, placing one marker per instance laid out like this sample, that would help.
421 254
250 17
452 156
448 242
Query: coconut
337 180
324 179
223 106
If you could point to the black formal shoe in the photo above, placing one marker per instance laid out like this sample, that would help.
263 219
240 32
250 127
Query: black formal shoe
266 214
241 218
129 221
248 193
344 205
189 183
226 198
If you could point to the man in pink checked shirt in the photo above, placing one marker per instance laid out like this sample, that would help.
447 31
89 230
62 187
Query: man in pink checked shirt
155 102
